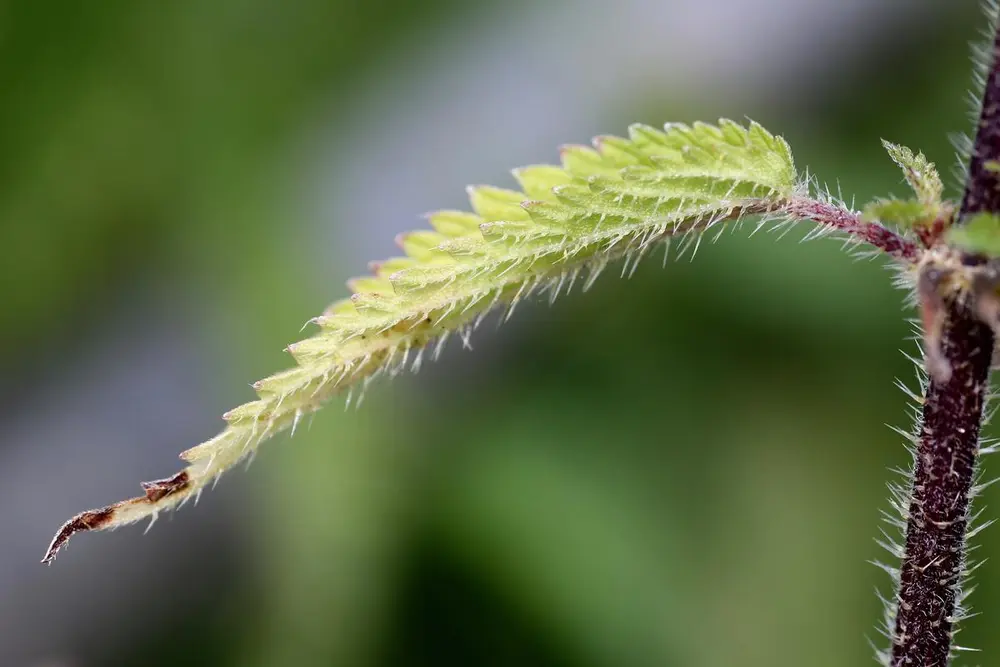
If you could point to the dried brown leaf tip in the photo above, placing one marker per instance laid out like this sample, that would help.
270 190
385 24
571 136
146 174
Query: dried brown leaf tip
117 514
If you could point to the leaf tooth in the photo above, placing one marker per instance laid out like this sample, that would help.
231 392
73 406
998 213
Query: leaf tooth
387 267
678 135
370 284
341 325
758 133
454 224
496 203
583 161
252 411
673 129
371 303
421 245
197 452
552 215
781 159
575 194
706 131
646 137
309 349
733 133
280 383
617 151
538 180
708 156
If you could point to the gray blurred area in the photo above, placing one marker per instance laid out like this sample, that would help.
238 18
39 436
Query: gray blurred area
681 469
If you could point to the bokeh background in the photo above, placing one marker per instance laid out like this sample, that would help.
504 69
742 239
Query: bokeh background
685 468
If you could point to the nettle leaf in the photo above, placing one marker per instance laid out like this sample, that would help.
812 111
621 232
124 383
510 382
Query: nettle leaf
979 234
905 213
920 173
613 200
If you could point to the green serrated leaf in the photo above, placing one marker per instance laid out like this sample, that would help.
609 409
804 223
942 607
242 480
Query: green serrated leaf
906 213
920 173
979 234
614 200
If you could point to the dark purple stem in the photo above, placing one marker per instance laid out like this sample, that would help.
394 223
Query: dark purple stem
934 553
850 223
933 557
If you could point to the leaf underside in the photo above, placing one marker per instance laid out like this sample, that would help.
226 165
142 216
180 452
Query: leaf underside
613 200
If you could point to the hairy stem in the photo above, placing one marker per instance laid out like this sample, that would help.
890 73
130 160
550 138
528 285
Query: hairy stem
937 522
933 558
837 218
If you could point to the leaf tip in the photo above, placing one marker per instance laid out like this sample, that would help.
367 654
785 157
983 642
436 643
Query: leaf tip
82 522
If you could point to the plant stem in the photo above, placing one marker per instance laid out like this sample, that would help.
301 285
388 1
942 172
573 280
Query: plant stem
933 559
938 516
833 217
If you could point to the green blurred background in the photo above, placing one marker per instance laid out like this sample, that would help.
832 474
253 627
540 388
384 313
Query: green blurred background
685 468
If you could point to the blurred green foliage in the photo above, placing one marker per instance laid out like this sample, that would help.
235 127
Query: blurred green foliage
693 480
